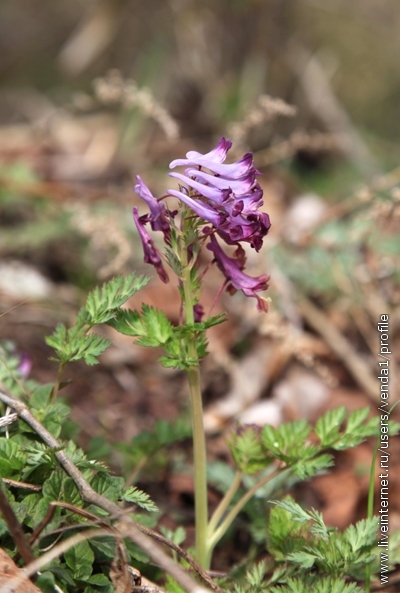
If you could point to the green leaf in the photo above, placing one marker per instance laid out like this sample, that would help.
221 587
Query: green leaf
318 527
362 534
71 493
93 347
140 498
79 559
171 363
108 486
304 559
298 513
52 416
74 344
40 397
159 329
38 507
3 527
46 582
311 467
104 548
221 475
177 536
53 487
328 426
5 468
317 584
102 303
174 262
284 535
256 574
61 573
12 458
272 440
128 322
356 419
99 579
173 586
247 450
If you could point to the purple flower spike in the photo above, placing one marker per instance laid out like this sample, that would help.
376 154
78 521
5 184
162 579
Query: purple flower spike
200 208
158 217
151 255
232 270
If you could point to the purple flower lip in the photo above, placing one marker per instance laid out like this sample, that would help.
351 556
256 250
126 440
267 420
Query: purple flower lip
232 270
219 196
217 154
158 213
237 186
251 229
151 255
252 201
230 171
200 208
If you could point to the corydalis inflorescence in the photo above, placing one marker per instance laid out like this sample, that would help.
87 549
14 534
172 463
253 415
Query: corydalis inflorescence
226 199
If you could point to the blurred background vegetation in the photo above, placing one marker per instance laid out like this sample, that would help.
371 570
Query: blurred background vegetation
209 61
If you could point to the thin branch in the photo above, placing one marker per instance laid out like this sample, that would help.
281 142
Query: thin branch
15 528
48 517
126 526
22 485
8 419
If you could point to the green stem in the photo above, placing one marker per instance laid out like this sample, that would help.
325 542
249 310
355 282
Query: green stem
199 443
55 390
218 533
224 503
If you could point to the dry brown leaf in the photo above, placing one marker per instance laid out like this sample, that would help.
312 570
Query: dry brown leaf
8 570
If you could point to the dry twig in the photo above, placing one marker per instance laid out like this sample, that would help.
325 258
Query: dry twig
342 347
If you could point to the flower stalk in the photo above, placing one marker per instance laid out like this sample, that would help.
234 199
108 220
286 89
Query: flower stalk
196 407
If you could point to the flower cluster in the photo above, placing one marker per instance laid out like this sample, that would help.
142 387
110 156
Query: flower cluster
227 197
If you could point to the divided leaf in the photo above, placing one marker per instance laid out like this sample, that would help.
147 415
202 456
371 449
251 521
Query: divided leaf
102 302
74 344
328 426
247 450
140 498
159 328
128 322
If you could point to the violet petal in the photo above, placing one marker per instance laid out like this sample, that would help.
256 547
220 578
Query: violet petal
151 255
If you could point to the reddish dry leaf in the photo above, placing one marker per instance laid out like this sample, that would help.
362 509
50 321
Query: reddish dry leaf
8 570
